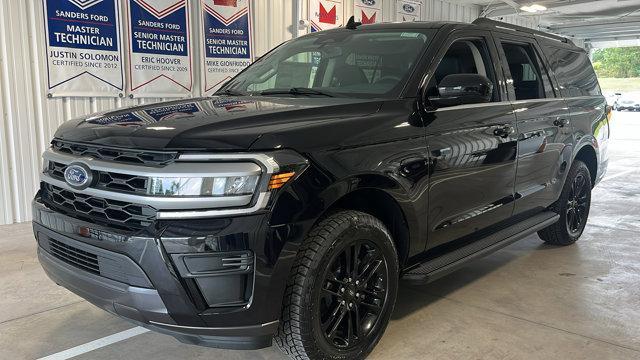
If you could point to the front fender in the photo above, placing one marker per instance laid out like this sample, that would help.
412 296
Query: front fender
301 204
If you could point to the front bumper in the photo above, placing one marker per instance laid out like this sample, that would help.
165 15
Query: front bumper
138 279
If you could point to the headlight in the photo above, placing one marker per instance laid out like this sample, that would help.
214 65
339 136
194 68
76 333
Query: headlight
204 186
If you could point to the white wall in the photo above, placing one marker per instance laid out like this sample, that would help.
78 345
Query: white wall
28 118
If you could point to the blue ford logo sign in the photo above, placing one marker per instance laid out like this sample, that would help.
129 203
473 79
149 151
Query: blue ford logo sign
408 8
78 176
368 2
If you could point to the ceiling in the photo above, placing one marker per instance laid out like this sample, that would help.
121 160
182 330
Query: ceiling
603 23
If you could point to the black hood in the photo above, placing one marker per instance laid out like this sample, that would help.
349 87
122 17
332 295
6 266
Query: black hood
216 123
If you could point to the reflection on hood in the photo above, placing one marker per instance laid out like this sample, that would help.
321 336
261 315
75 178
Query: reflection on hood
214 107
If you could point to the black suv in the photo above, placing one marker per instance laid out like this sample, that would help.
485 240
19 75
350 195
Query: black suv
289 205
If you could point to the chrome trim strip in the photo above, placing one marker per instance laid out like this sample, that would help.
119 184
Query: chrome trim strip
473 106
497 103
264 159
173 170
263 199
157 202
550 38
212 328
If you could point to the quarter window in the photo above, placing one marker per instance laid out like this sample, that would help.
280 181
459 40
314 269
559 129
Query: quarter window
574 72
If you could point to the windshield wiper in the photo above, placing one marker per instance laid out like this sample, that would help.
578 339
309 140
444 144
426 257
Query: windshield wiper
296 91
230 92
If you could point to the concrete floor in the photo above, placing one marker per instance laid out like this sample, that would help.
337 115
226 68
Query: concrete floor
528 301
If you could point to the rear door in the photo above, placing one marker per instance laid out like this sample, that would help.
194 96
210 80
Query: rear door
472 147
578 84
544 130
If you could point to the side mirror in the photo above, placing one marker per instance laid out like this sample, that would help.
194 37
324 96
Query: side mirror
460 89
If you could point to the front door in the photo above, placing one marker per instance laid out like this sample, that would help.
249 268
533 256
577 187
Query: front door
545 137
472 147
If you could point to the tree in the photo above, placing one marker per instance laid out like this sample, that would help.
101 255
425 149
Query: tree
617 62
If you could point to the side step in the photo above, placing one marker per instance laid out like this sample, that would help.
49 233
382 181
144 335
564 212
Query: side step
454 260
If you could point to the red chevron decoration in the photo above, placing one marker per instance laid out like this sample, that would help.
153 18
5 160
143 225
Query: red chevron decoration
326 14
368 20
161 13
84 4
327 17
367 11
233 3
226 11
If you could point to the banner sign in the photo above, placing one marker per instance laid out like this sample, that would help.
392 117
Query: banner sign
159 48
326 14
84 57
367 11
227 41
407 10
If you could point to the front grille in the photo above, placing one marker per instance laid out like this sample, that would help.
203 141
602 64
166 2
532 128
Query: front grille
151 158
106 180
73 256
122 182
103 211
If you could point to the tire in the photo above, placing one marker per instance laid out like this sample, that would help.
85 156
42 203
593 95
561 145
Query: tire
573 206
324 296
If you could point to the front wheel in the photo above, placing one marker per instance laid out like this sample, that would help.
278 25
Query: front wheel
573 207
341 291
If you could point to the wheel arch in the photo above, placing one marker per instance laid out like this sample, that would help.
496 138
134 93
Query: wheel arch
588 155
380 195
380 204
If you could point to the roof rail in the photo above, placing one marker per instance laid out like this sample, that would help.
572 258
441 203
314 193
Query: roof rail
507 26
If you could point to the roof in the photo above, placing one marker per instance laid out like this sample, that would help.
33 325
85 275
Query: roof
480 22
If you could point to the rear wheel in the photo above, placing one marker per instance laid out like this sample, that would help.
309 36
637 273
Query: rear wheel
573 207
341 291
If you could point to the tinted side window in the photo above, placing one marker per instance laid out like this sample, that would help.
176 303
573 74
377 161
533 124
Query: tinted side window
469 56
574 72
525 71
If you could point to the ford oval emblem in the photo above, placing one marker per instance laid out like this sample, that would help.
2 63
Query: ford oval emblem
368 2
78 176
408 8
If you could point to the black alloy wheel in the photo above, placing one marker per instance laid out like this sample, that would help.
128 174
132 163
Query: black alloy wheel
341 289
572 206
354 293
577 205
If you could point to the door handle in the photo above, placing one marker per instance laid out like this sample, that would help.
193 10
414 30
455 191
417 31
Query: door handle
503 132
560 122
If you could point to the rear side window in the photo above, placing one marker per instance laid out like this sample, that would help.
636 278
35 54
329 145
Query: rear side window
525 71
574 72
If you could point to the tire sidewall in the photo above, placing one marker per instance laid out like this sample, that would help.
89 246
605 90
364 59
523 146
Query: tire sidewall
579 167
354 229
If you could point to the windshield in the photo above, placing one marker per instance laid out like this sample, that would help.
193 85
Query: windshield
335 63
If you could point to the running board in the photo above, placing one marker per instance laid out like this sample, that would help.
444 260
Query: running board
456 259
